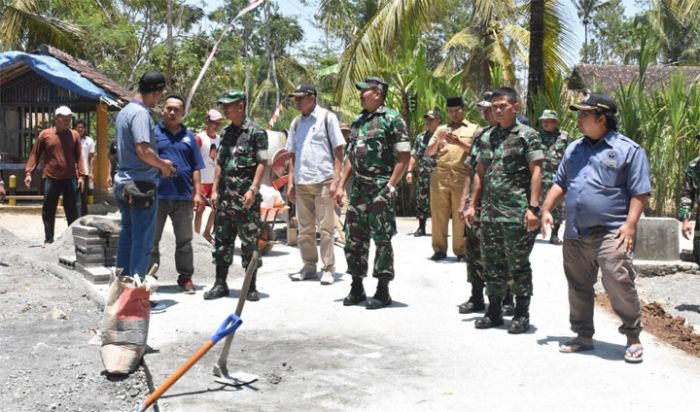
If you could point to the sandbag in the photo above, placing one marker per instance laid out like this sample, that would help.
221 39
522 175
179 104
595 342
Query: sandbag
125 325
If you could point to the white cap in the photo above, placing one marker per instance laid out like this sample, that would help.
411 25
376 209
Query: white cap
63 111
213 115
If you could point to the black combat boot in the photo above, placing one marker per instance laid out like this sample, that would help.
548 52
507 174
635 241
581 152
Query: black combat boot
253 295
521 317
508 305
493 316
554 239
220 288
476 301
357 292
381 298
421 228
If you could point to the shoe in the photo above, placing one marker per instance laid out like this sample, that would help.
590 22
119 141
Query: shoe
357 292
438 256
252 296
187 286
304 274
521 316
461 258
381 298
471 306
493 316
421 228
327 277
219 290
157 307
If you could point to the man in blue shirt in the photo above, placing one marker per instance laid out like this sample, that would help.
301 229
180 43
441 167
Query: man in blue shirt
605 178
175 196
138 174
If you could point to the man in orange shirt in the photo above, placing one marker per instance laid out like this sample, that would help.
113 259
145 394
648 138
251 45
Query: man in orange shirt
62 171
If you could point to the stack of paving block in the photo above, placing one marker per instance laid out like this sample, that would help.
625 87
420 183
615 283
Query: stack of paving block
95 242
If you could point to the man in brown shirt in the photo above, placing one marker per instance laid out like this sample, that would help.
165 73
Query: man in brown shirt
451 144
61 170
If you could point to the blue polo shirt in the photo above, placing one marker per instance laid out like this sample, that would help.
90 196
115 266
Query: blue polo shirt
181 148
600 177
134 125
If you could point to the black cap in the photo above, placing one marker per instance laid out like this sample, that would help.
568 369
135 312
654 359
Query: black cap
151 82
455 101
303 89
596 101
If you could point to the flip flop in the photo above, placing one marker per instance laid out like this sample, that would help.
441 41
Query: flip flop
632 350
574 346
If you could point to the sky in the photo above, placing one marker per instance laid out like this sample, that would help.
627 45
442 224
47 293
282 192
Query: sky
314 36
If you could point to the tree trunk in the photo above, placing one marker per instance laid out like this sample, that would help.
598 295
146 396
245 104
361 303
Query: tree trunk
171 48
535 83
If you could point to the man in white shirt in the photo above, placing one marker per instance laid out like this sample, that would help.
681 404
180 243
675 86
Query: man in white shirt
208 142
316 144
87 145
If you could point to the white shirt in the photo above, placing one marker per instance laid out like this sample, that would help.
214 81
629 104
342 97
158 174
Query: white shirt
87 146
207 174
313 155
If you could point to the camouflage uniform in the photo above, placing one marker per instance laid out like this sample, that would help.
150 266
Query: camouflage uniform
424 166
241 149
689 196
505 242
373 144
554 146
472 234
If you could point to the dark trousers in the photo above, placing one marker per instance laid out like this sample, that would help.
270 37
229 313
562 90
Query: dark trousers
180 212
53 189
83 202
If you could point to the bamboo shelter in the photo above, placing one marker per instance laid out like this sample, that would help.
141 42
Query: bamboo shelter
33 85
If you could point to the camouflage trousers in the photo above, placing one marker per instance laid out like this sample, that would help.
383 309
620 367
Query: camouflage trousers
423 193
696 240
505 250
232 220
370 215
475 268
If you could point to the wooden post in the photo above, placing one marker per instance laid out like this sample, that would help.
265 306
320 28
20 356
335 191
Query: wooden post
101 169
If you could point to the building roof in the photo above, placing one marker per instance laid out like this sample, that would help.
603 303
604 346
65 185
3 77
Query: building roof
88 71
609 78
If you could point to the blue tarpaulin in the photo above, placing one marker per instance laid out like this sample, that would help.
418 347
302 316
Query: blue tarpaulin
57 73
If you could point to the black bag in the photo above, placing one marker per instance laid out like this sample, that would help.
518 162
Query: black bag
139 194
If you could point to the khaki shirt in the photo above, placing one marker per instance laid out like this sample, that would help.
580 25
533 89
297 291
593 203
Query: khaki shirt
450 157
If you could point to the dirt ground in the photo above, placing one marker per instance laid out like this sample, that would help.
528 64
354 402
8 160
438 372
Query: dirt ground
48 363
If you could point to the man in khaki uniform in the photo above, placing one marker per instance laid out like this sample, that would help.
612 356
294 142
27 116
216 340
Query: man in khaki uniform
451 145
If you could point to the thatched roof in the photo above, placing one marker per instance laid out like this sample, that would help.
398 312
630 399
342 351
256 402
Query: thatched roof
608 78
88 71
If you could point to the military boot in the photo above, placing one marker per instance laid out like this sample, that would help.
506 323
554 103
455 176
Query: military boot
508 305
521 317
220 288
357 292
421 228
381 298
476 301
493 316
554 238
253 295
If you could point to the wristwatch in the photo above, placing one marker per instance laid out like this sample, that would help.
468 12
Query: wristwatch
254 189
534 209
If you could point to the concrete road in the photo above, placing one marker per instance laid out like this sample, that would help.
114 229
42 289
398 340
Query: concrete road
311 353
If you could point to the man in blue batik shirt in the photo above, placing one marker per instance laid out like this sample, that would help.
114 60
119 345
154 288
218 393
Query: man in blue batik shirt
605 178
179 196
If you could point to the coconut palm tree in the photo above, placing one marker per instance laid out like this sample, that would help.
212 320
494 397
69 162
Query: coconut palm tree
585 10
25 24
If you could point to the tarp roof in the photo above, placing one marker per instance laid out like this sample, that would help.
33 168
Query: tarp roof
58 73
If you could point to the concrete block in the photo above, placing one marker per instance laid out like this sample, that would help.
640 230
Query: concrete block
90 259
89 241
67 261
95 274
657 239
90 250
687 255
85 231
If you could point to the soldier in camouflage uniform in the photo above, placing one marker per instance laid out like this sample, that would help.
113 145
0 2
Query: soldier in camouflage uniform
475 275
424 166
689 196
507 182
239 168
377 153
555 142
